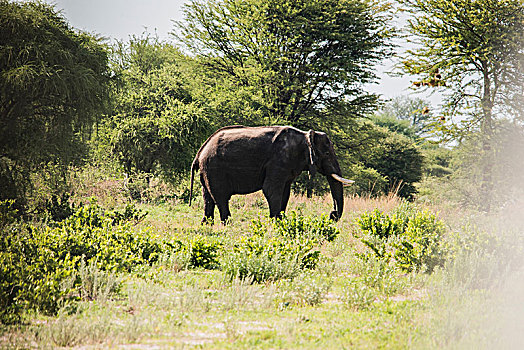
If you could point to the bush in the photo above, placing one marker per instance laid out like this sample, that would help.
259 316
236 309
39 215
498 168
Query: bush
90 233
130 214
30 274
258 259
381 225
279 248
58 208
378 228
396 158
203 252
375 154
420 245
294 225
8 213
412 239
38 261
367 181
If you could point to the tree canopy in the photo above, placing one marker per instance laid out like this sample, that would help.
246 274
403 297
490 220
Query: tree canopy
416 112
53 85
303 57
474 50
155 125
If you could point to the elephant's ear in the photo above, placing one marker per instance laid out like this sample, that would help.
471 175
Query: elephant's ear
312 157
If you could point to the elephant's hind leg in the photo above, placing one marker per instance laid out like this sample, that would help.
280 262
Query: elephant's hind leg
209 207
223 208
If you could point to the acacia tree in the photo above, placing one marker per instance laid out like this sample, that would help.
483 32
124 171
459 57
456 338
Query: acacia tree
303 57
474 51
53 82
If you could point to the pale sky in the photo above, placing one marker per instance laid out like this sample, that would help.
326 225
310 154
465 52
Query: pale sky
118 19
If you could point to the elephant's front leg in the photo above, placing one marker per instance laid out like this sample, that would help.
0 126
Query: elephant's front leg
285 196
273 190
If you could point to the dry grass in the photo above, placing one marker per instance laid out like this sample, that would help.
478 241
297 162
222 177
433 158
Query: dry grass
366 203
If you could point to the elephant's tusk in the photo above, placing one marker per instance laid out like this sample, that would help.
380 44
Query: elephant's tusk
346 182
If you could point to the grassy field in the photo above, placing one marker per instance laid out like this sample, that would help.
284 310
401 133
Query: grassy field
346 302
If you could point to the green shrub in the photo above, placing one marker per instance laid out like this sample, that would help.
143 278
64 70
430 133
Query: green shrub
367 181
419 247
30 274
294 225
114 247
130 214
107 236
58 208
279 248
259 259
412 239
203 252
8 213
37 261
381 225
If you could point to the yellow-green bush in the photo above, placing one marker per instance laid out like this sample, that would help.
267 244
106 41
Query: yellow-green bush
203 252
35 260
413 239
278 248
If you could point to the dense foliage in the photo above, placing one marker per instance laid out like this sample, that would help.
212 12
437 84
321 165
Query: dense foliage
38 260
295 58
53 85
279 249
474 51
412 239
386 161
156 127
44 267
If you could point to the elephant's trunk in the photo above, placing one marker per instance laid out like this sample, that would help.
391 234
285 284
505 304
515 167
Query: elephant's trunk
337 193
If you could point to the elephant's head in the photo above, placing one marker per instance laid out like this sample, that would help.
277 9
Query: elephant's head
322 158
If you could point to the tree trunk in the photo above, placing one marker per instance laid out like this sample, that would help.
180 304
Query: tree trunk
486 127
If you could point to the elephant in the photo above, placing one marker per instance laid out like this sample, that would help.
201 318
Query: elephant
241 160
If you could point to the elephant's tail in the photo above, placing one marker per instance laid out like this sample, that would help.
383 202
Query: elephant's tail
193 167
195 161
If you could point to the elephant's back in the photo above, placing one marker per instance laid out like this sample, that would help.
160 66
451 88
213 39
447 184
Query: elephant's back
242 146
